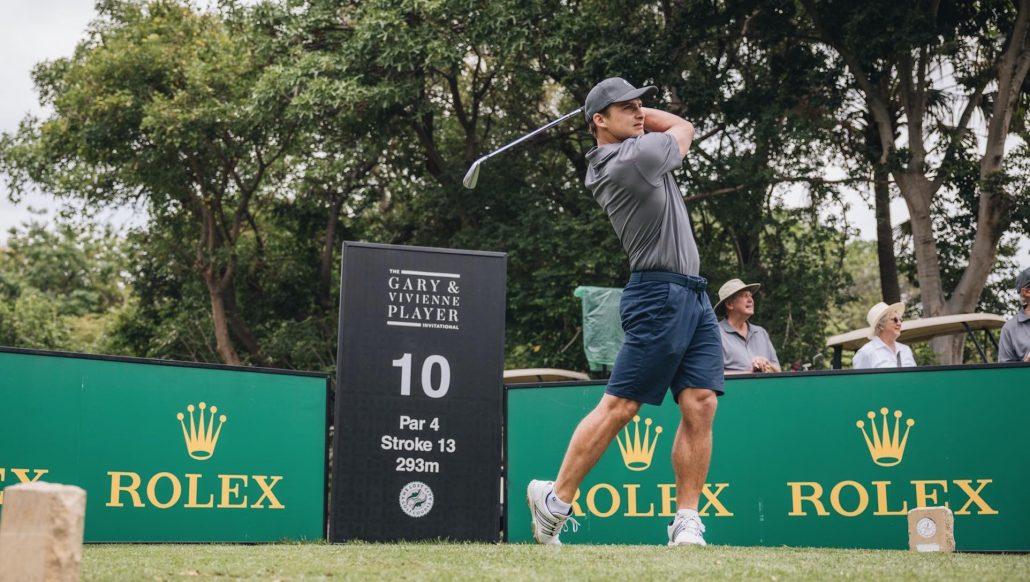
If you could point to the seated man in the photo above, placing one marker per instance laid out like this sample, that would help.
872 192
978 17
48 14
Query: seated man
746 347
1015 336
883 349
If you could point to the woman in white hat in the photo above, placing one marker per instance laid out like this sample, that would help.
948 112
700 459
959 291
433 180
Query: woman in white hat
884 350
746 347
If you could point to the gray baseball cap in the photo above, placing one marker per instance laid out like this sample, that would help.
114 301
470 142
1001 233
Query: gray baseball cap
613 90
1023 279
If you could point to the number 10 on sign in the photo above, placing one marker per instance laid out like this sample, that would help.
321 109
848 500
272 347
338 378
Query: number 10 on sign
404 363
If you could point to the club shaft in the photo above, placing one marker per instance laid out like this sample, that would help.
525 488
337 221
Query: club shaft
532 134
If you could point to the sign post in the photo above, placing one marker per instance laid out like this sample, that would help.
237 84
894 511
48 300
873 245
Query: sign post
417 445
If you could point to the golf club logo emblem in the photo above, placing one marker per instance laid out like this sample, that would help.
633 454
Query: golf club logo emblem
416 499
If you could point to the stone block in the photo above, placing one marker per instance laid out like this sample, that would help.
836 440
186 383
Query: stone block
931 529
41 530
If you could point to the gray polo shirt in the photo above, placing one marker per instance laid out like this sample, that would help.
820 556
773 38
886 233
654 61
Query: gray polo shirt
1015 338
738 350
632 180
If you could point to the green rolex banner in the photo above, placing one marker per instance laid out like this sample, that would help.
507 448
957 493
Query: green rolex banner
833 460
169 452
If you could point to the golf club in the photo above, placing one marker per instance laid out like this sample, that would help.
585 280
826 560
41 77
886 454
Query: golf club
473 174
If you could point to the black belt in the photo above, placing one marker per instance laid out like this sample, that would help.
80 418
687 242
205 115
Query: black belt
698 284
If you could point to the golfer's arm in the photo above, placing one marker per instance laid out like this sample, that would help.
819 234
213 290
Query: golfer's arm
656 120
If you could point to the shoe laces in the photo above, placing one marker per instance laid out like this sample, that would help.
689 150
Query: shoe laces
560 523
688 523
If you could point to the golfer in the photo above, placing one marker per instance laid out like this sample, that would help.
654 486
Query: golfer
672 338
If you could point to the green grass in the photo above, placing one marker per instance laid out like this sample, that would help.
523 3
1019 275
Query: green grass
517 562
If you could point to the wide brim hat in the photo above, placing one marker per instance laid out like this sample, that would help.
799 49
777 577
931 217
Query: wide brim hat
613 90
732 287
880 311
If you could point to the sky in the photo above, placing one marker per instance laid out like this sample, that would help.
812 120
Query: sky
36 30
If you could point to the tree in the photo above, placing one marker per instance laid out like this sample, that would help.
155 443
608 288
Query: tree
445 82
60 289
975 56
179 107
452 80
262 136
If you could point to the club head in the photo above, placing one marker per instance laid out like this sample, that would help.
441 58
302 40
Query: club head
473 175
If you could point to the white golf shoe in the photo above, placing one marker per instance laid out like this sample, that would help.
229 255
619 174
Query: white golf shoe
687 531
546 525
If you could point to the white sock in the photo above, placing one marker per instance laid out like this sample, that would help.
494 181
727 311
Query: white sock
687 514
557 506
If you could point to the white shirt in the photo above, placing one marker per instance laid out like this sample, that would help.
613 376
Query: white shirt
877 354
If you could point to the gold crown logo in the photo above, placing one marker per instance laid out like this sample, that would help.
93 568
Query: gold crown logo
200 439
884 446
636 453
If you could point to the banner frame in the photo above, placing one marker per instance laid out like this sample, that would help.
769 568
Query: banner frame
506 509
330 396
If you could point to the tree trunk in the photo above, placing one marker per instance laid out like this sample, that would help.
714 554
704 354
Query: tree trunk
890 289
240 329
994 212
325 272
918 193
209 245
949 349
223 343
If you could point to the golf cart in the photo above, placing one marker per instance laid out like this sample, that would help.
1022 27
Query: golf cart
531 375
925 329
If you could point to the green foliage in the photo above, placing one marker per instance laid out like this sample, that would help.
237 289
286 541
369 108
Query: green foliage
32 321
463 86
260 136
60 289
169 316
181 107
78 265
863 292
921 74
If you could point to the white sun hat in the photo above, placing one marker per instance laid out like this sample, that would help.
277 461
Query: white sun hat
880 311
733 286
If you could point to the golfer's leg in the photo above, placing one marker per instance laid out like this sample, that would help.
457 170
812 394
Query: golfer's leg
592 437
692 447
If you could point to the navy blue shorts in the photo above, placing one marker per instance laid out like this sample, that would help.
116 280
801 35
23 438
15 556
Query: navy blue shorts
672 338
